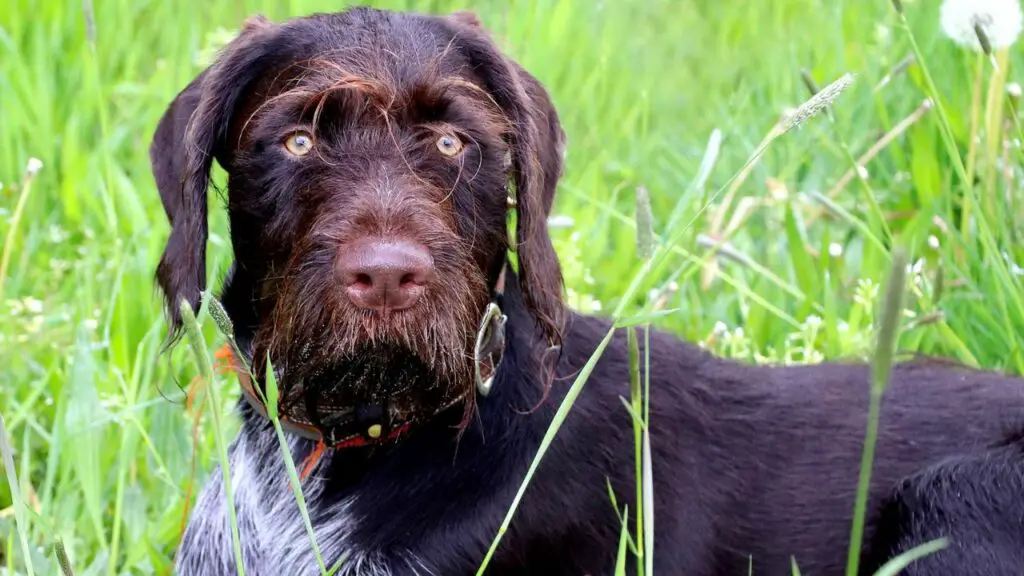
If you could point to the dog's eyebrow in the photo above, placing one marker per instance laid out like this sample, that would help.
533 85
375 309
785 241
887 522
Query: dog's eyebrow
320 80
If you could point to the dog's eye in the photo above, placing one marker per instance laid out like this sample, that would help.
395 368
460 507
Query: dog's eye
449 145
299 143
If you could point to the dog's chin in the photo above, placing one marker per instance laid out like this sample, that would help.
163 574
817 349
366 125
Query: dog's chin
372 375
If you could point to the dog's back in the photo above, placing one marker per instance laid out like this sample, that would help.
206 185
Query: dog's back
772 455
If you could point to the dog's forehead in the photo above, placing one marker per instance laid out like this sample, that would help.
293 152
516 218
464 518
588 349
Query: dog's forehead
398 45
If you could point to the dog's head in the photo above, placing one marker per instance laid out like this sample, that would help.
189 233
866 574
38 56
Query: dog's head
369 157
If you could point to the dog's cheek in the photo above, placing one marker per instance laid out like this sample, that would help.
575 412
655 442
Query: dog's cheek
481 208
268 194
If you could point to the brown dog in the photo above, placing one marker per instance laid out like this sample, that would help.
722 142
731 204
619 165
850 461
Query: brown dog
374 159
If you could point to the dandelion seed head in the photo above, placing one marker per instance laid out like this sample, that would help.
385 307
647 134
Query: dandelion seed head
1000 21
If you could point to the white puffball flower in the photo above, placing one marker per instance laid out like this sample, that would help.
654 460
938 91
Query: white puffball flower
1000 20
34 166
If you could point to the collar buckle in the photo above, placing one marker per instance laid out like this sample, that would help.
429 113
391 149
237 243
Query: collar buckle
490 346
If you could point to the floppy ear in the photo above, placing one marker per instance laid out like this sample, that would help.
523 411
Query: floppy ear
191 133
537 144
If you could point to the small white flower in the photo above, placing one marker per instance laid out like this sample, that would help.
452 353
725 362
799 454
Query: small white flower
933 242
813 321
863 172
916 267
32 305
56 234
999 20
721 328
561 222
34 166
1014 90
835 249
883 34
91 324
59 266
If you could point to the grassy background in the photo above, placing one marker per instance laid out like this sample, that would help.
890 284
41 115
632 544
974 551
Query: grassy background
101 436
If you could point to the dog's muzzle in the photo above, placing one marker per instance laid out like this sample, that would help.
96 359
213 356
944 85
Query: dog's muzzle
386 413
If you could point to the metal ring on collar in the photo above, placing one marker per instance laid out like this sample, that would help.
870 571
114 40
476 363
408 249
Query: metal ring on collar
490 339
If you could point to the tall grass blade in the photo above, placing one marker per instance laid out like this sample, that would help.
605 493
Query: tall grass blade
896 565
34 166
648 479
289 462
549 436
644 223
226 327
62 558
880 372
635 398
620 556
202 357
7 452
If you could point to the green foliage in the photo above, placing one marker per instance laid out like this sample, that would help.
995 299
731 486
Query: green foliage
775 260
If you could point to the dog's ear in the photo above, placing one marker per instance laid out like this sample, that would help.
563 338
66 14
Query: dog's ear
190 135
537 143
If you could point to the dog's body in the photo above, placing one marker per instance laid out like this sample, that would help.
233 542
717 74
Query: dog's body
752 466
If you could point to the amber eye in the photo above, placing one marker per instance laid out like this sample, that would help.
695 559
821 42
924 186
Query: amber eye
299 143
449 145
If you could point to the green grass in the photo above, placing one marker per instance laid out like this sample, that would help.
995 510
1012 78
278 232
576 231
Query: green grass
774 262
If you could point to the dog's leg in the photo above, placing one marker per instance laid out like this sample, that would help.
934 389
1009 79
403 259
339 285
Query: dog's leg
975 502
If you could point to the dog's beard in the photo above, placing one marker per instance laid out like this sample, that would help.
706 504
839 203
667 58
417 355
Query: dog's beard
330 354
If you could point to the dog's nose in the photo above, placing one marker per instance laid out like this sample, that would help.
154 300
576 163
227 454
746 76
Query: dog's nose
385 275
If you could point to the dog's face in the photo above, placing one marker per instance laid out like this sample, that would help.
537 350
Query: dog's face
370 159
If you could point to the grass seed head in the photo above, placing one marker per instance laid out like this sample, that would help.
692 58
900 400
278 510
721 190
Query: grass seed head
820 101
